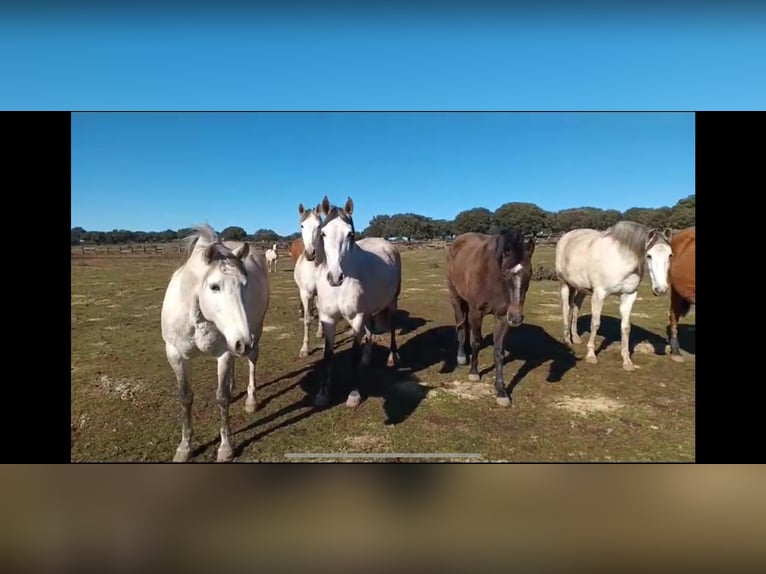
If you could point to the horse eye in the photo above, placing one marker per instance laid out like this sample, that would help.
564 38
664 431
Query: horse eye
648 255
301 226
322 234
215 287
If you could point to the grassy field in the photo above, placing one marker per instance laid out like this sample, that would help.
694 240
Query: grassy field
124 404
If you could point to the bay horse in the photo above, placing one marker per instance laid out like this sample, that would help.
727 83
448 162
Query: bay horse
304 272
271 257
215 303
682 288
359 281
488 275
611 262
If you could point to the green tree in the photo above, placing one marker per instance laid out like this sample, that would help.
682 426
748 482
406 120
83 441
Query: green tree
266 235
478 219
526 217
233 233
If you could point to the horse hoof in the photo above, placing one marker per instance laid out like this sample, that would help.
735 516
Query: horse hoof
224 454
462 361
391 362
591 359
629 366
251 406
181 456
303 353
353 400
474 377
503 401
677 358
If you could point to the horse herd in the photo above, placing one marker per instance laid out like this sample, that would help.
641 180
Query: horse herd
217 300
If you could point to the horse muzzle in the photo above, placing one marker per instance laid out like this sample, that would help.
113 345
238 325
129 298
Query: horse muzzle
659 291
309 256
242 346
335 282
515 320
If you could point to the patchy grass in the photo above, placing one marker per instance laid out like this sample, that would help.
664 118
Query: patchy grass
124 405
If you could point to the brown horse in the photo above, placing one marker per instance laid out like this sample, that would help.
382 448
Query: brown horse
488 274
682 290
296 249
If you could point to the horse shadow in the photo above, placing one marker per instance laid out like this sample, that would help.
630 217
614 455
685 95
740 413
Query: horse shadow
611 331
686 338
406 322
534 346
529 343
401 391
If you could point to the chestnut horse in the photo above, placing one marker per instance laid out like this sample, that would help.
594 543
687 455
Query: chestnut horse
488 274
682 290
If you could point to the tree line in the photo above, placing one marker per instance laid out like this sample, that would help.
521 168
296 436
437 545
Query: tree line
527 217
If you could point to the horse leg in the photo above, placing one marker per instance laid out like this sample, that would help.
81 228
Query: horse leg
474 320
498 338
251 404
319 323
366 340
596 304
225 365
676 308
461 327
576 303
626 304
306 305
181 368
393 350
357 324
322 398
565 300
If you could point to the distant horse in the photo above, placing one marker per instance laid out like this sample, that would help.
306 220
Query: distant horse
296 249
604 263
488 274
305 270
215 303
682 288
359 281
271 257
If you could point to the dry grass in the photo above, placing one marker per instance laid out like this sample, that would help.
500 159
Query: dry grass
124 405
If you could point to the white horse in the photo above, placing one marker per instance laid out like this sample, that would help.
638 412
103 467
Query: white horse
215 303
271 257
609 262
305 270
357 281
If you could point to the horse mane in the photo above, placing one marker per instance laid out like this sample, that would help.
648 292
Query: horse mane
217 250
511 241
631 237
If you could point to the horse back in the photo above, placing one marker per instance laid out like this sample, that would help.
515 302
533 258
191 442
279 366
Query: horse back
682 265
573 256
472 269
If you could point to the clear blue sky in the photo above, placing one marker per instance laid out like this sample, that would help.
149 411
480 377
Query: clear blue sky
153 171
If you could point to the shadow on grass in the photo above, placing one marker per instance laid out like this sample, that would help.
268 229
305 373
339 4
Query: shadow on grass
528 343
611 332
401 391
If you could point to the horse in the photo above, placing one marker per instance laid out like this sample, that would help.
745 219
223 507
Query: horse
611 262
215 304
271 257
488 274
304 272
359 281
682 289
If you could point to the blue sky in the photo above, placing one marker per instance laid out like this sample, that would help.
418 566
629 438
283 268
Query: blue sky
153 171
233 58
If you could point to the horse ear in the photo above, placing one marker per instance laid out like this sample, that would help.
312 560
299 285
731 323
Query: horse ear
325 205
529 246
651 235
242 251
300 209
349 207
318 209
667 233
